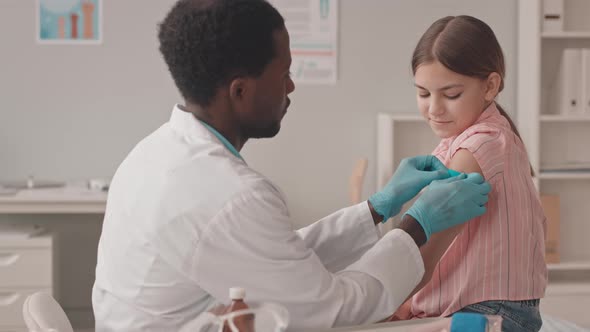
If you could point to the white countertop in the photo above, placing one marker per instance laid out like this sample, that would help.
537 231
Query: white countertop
66 199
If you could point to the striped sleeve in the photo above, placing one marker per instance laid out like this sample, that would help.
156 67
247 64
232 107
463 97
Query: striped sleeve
442 150
488 146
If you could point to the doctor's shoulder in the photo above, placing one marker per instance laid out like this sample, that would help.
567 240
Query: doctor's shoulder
257 191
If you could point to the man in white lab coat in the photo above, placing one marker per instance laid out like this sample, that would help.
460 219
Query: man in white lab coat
187 218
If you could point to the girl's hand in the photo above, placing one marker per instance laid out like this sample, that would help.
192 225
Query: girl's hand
404 312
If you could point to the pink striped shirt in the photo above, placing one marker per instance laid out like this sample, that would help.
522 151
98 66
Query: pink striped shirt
500 255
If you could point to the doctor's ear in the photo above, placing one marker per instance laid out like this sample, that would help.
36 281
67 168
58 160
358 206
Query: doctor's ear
238 88
492 86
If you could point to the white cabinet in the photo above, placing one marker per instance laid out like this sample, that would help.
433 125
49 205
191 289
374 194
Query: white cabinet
25 268
558 141
74 215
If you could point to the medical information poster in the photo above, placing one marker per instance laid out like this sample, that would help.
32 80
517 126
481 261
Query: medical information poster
313 29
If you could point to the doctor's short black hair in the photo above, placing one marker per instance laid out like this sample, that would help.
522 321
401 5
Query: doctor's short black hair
208 43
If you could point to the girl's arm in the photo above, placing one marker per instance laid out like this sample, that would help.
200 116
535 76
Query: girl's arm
463 161
432 251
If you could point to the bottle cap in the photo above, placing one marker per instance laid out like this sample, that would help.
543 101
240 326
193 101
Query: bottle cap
237 293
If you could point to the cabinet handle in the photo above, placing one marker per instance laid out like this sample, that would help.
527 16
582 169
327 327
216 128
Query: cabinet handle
7 299
7 259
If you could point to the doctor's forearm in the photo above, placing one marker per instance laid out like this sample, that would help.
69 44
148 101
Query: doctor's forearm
413 228
408 225
377 218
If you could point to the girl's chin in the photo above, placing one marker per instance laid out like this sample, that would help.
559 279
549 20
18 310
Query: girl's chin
443 133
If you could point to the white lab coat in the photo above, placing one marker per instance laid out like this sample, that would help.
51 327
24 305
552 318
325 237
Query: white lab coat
186 220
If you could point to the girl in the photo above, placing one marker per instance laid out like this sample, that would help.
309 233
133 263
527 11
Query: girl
495 263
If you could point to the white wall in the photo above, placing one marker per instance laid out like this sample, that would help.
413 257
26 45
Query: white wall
73 112
70 112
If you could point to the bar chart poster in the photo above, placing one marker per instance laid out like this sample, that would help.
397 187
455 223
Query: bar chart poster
313 29
69 21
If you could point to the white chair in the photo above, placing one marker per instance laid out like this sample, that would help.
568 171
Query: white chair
43 314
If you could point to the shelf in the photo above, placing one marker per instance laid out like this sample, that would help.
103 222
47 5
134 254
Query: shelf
565 118
557 144
564 176
568 288
566 35
570 266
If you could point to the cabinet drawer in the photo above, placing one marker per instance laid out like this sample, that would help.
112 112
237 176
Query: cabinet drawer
25 267
11 306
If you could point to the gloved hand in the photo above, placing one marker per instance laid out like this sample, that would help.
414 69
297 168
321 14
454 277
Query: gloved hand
409 178
450 202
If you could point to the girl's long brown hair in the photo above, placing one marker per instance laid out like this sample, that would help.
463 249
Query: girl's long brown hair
467 46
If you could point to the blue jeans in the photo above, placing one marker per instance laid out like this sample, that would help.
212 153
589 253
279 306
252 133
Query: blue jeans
516 315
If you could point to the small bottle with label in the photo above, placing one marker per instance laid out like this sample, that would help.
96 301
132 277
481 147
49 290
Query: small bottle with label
244 323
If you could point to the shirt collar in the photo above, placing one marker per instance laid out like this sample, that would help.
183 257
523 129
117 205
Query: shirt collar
194 130
223 140
489 112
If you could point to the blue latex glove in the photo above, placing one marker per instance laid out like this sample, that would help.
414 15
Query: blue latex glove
452 172
450 202
412 175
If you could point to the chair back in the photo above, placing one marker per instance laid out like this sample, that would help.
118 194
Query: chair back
42 313
357 178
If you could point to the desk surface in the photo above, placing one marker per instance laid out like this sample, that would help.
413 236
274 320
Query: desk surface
63 200
403 326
